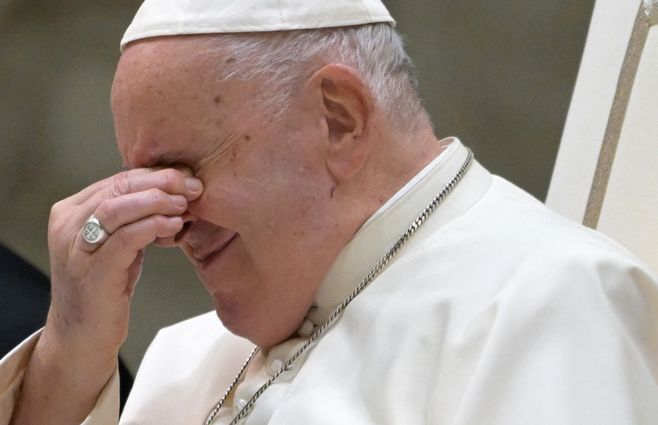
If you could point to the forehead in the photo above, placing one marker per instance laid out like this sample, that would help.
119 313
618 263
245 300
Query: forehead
160 66
163 97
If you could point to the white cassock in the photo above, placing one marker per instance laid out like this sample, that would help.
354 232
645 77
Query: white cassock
496 312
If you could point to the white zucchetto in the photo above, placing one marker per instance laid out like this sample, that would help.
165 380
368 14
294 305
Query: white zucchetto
157 18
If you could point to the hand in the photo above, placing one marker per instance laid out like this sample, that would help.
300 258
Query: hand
92 285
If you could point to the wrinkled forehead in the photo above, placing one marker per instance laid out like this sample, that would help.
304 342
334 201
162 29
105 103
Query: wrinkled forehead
165 61
167 89
174 73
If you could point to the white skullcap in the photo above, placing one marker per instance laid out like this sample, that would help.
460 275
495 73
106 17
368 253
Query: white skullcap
177 17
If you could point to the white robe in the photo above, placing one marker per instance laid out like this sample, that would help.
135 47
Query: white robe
496 312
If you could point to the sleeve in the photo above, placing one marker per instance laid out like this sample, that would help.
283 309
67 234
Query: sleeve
570 344
12 369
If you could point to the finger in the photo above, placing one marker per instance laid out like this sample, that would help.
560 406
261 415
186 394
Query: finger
169 180
175 180
91 190
169 242
92 235
174 241
116 212
134 272
121 249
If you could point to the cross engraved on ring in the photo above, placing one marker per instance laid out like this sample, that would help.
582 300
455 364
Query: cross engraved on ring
91 232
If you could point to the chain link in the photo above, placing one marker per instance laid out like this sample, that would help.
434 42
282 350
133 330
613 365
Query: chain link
220 403
320 330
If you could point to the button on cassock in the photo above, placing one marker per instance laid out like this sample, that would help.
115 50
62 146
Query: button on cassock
275 366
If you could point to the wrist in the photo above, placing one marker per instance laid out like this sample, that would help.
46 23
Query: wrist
77 354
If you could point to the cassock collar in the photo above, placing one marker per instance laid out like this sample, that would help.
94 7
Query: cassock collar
382 230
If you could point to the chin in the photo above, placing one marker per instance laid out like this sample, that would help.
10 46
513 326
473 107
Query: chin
235 319
246 327
229 315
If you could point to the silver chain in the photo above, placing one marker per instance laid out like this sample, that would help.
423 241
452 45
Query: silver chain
322 329
220 403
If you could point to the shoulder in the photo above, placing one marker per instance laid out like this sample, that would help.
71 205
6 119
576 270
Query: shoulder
535 235
509 251
514 229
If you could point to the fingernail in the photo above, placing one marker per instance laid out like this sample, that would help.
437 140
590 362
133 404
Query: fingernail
179 200
193 185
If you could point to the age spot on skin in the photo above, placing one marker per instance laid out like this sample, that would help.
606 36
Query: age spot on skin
230 60
217 99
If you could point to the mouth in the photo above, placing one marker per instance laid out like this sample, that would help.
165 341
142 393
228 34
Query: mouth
204 260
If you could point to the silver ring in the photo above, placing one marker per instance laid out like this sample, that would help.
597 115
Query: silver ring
93 231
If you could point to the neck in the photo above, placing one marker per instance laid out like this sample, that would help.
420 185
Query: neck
394 161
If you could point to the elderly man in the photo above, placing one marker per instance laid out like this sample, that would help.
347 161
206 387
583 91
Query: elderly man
367 272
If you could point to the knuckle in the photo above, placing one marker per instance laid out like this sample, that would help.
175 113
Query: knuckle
57 219
120 184
55 211
108 210
124 237
156 196
164 226
160 221
171 178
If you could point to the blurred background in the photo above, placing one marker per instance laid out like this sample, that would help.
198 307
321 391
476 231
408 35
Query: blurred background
497 74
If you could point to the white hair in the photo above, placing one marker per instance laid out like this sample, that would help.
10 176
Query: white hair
282 60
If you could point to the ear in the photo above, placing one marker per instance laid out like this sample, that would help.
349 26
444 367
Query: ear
347 108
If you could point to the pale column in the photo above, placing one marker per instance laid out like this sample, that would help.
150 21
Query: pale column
606 175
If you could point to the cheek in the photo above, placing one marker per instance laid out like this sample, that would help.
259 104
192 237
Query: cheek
255 208
225 202
254 295
234 284
248 302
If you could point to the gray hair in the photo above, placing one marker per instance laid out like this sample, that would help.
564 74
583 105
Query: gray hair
283 59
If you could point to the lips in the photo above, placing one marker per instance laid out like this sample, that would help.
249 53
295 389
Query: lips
205 257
